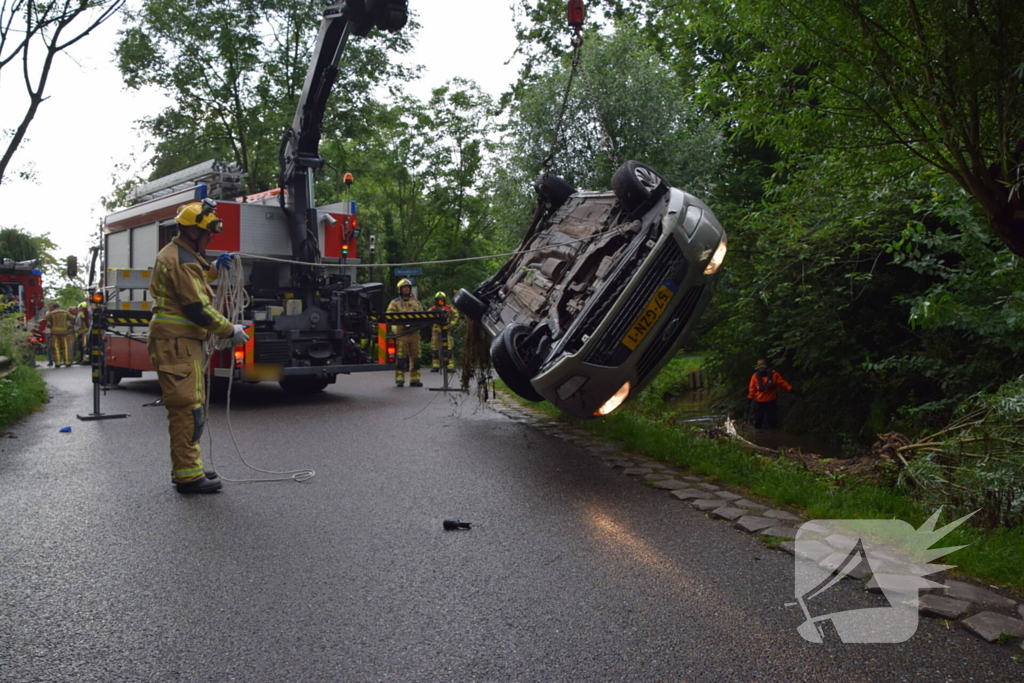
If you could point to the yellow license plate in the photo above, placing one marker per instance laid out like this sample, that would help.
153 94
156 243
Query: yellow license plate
646 321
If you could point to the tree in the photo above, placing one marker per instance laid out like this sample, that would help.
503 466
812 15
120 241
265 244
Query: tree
626 90
235 69
18 245
939 83
423 181
32 30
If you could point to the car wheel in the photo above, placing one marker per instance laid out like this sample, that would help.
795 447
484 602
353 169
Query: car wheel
474 308
511 361
633 183
303 385
552 190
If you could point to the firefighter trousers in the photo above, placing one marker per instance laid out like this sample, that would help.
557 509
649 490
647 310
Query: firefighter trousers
179 367
61 348
442 351
407 357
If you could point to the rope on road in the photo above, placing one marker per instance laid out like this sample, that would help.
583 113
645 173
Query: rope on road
231 298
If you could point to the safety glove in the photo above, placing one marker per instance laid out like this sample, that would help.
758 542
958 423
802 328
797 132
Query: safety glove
239 337
224 260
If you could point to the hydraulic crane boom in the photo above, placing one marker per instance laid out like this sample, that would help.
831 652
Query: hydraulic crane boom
300 148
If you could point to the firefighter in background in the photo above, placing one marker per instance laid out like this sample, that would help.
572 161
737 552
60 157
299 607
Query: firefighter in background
75 323
58 321
83 331
183 318
442 353
763 391
407 345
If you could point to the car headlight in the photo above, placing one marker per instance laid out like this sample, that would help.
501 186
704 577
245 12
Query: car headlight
716 259
615 401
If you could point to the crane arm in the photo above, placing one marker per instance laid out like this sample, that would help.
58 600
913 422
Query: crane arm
300 147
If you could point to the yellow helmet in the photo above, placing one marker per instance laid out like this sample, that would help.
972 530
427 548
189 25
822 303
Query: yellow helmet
403 283
441 295
201 215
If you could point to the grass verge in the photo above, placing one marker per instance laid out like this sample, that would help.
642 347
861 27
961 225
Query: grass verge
992 556
21 392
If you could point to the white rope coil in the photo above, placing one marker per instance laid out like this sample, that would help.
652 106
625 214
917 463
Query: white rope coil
231 299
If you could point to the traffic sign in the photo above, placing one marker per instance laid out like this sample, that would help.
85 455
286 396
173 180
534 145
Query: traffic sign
408 271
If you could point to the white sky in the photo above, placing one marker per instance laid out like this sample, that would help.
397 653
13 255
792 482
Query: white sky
87 125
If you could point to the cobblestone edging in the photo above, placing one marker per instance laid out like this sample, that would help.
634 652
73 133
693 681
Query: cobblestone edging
988 614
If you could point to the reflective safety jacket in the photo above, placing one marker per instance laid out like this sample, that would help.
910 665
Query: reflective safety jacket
400 305
453 315
182 296
764 384
59 321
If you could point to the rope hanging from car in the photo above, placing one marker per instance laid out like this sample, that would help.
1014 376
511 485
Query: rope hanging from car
576 16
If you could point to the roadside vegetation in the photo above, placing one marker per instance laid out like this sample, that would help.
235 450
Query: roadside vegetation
22 389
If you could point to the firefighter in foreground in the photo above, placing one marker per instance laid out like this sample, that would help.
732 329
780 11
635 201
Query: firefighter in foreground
59 323
407 345
442 352
183 318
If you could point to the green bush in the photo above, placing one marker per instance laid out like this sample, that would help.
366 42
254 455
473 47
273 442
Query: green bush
23 389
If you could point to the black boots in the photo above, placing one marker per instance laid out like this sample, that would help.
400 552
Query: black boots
201 485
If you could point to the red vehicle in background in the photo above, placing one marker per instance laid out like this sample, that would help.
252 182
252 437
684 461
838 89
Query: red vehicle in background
21 289
21 293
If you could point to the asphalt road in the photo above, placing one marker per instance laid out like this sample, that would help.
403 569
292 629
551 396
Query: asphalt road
571 572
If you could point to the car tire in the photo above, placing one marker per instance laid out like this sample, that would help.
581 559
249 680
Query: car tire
552 190
509 363
298 386
634 183
474 308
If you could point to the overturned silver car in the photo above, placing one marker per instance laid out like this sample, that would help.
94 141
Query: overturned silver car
602 291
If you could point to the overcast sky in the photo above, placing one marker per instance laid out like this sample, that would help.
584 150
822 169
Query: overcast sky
87 125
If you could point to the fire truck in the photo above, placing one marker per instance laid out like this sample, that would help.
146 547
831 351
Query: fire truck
307 316
21 289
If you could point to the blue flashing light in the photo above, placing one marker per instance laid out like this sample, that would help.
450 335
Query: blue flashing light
37 272
202 191
352 209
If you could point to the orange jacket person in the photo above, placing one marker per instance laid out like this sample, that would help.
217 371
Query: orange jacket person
763 390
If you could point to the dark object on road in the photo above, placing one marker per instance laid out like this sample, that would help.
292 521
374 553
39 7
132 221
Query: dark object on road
602 291
453 524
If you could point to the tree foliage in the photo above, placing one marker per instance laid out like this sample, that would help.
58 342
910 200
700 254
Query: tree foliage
938 81
235 70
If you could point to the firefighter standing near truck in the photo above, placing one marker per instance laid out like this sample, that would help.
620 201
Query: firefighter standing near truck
407 344
183 318
58 321
441 349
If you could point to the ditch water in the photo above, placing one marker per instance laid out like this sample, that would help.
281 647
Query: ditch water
696 408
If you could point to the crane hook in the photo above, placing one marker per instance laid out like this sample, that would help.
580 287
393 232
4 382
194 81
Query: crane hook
577 13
